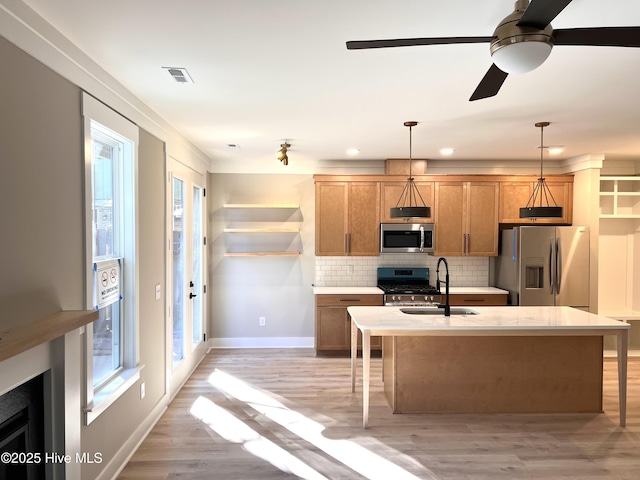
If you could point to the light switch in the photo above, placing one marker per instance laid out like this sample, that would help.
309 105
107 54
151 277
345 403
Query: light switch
158 290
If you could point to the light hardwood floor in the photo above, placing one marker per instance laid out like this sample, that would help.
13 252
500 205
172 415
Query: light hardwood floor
279 414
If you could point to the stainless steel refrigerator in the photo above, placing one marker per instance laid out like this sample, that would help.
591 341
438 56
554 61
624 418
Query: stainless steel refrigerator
544 265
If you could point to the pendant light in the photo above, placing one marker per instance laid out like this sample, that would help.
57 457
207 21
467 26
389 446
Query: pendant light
535 207
407 206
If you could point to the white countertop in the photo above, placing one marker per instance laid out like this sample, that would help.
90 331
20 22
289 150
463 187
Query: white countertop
347 291
493 319
377 291
477 291
621 314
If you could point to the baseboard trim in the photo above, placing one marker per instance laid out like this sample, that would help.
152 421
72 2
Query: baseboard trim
262 342
126 451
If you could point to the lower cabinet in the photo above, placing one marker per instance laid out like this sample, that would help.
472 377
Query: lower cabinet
478 299
333 324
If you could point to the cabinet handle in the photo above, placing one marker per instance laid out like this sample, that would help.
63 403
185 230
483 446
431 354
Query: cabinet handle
477 300
350 300
347 243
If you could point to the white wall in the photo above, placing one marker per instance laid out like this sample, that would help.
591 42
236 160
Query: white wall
242 289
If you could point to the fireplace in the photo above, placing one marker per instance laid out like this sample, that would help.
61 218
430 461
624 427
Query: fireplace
22 431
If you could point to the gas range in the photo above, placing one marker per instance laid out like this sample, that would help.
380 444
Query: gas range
407 286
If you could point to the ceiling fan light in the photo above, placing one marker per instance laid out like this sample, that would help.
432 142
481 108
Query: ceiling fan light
520 57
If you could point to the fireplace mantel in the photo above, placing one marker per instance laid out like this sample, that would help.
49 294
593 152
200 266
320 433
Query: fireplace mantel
21 338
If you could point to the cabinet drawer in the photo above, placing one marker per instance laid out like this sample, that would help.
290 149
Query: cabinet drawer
348 300
478 299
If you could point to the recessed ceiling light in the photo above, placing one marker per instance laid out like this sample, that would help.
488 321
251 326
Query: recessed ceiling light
446 151
555 150
353 151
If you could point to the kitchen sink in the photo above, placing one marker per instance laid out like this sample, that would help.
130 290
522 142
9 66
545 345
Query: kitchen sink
437 311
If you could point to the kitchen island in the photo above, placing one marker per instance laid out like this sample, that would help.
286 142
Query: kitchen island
489 359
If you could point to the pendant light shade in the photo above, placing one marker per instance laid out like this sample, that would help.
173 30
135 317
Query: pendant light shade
541 203
410 204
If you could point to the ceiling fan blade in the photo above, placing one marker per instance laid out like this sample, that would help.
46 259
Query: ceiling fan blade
409 42
541 13
490 84
598 36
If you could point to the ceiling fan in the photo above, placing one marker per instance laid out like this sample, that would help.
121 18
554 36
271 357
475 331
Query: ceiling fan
522 41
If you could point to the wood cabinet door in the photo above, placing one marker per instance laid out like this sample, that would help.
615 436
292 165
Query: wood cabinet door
364 219
563 195
333 329
449 217
513 196
477 299
331 217
482 218
390 194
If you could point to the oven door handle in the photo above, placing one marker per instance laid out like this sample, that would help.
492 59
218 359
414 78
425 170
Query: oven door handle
421 238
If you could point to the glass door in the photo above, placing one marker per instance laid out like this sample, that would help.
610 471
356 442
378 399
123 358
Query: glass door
186 272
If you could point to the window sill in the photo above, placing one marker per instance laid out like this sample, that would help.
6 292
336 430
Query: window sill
103 399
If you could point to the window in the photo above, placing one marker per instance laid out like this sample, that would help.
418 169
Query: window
111 342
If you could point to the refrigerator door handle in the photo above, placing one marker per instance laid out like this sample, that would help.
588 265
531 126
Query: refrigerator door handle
558 272
551 280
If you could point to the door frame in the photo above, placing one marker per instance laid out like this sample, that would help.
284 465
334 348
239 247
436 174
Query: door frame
176 377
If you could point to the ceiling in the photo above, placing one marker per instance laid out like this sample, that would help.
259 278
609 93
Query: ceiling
269 71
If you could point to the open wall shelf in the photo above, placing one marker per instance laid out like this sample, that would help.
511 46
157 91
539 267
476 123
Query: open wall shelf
261 230
261 254
261 205
276 236
620 197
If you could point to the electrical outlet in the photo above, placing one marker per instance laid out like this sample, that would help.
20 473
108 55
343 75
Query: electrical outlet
262 321
142 390
350 269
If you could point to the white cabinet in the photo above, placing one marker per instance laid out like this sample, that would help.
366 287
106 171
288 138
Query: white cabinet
619 255
620 197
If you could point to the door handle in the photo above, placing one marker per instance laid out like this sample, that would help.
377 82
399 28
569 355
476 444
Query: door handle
550 266
558 265
192 295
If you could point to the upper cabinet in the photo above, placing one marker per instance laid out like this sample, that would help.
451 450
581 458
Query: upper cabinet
390 193
348 218
466 216
620 197
466 209
515 194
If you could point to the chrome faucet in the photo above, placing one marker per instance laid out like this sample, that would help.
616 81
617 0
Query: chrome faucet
446 306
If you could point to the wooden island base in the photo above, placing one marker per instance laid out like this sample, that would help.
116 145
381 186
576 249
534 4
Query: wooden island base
504 374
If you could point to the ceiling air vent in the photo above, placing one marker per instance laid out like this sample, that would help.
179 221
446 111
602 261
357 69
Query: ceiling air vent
180 75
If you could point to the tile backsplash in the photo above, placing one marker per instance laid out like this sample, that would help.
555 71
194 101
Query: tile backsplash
362 271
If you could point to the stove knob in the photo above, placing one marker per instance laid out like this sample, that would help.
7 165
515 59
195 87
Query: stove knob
412 298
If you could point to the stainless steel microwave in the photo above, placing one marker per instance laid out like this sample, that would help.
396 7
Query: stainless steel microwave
406 237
